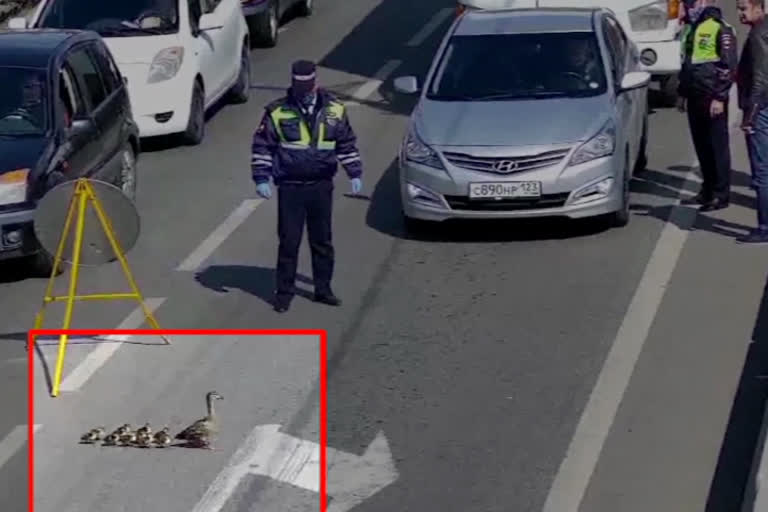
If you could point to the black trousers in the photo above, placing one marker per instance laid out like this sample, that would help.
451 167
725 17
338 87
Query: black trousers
710 139
300 204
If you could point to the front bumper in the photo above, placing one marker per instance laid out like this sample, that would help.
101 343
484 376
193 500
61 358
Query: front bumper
667 57
451 200
17 237
161 108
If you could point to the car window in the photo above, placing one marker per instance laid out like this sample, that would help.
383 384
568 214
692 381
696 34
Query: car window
87 76
23 101
113 18
613 51
618 45
524 66
70 97
208 6
108 69
195 11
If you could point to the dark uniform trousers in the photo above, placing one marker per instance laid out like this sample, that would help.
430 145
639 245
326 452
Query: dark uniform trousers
711 141
300 204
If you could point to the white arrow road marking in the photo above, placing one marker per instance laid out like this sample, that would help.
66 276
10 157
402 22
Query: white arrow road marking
13 442
268 452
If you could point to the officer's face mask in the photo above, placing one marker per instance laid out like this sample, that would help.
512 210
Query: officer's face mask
695 12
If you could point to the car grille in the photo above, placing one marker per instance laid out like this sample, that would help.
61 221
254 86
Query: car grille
506 165
545 201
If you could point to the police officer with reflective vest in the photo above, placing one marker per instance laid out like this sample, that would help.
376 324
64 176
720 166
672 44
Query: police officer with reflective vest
298 145
710 58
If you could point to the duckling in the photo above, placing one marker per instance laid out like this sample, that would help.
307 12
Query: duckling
128 437
163 438
99 433
201 432
112 439
92 436
123 429
144 440
146 429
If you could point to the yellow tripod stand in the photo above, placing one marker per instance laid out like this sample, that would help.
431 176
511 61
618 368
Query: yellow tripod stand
84 193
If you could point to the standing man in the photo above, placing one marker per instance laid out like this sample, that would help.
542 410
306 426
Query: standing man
710 56
299 143
753 101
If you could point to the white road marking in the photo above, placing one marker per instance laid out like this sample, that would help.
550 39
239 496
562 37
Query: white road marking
282 457
433 24
101 354
13 442
371 86
219 235
576 470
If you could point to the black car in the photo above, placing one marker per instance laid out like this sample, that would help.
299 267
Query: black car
64 114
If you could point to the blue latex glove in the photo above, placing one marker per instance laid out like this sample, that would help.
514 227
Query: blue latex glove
264 190
357 185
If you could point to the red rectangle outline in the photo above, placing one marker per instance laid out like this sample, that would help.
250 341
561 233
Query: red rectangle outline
35 333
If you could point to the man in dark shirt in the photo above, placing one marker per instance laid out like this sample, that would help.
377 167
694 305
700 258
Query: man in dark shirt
752 81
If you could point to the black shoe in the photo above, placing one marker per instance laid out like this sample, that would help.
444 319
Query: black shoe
328 298
697 199
281 304
755 237
714 205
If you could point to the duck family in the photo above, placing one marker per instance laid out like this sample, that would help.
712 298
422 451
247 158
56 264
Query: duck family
199 434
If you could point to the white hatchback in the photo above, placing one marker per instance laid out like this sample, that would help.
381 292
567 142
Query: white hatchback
178 57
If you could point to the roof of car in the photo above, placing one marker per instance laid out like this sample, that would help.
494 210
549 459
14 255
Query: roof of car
34 48
521 21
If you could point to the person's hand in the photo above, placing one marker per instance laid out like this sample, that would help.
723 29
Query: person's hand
357 185
716 108
264 190
681 104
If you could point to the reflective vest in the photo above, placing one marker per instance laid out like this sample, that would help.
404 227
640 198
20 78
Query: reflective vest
333 113
704 42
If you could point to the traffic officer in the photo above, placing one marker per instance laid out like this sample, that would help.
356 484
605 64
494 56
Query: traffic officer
710 57
300 141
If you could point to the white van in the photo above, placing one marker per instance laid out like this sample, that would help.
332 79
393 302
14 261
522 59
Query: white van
653 25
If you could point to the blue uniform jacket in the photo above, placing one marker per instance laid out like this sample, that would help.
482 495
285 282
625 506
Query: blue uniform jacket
291 146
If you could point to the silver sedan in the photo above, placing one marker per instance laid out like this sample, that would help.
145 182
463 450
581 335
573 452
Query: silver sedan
526 113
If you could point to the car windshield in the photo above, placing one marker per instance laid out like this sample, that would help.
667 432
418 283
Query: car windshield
519 66
111 18
23 102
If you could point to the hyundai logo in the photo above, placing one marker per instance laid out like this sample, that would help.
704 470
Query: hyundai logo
505 166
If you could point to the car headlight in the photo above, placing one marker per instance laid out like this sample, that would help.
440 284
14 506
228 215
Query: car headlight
13 186
653 16
166 64
415 150
599 146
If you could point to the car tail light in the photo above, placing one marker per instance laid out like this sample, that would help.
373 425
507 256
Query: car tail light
673 9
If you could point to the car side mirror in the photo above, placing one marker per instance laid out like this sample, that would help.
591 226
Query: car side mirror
210 21
635 80
406 84
17 23
80 127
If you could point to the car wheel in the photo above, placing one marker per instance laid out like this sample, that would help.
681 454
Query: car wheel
620 218
242 87
642 155
42 264
305 8
195 131
128 175
264 26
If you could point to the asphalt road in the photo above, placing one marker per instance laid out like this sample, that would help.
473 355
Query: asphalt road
502 366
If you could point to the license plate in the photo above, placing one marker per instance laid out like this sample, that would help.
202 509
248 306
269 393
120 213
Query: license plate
505 190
